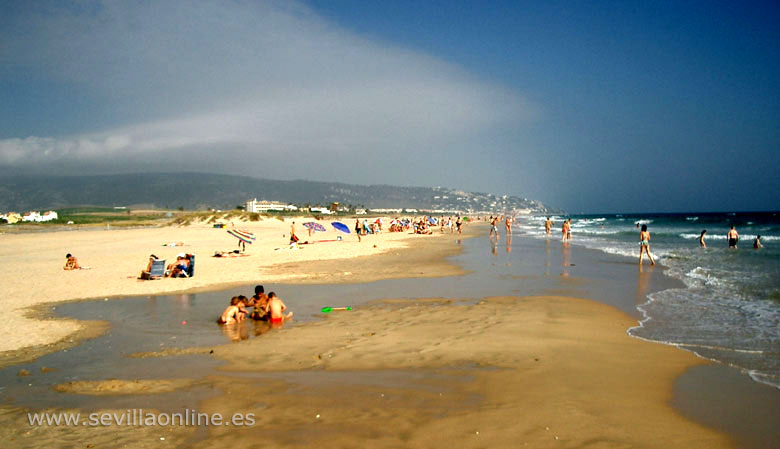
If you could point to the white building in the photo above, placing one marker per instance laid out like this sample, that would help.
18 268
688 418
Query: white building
49 216
321 210
32 216
266 206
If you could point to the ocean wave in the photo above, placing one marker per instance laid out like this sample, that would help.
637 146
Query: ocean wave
691 218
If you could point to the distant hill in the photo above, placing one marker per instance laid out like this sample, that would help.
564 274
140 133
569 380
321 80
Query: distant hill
205 190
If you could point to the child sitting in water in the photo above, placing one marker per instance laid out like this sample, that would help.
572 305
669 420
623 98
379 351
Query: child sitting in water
275 309
232 313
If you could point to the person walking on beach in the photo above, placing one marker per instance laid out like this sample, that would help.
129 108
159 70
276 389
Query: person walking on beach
568 230
493 225
644 245
701 238
459 224
548 226
733 237
508 224
563 231
357 229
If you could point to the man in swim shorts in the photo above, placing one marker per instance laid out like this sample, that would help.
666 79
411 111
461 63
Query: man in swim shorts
733 237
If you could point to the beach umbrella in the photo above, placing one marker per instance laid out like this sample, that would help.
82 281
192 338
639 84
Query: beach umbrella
340 227
316 227
244 236
431 220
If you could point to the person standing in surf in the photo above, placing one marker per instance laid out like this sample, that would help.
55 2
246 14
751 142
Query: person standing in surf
733 237
701 238
644 245
548 226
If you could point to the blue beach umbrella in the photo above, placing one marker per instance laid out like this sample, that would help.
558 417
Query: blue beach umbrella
340 227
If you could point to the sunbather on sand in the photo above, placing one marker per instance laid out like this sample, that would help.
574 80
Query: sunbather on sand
147 273
232 313
179 267
71 263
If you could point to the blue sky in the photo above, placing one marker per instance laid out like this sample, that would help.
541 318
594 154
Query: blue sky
588 106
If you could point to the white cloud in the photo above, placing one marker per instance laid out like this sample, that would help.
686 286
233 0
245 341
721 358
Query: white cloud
247 77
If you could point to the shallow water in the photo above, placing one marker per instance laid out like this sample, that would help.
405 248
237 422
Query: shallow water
729 307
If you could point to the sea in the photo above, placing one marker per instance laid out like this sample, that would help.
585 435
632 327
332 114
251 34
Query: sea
729 309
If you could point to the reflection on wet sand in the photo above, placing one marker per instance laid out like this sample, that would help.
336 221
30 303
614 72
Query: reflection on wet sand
643 284
565 258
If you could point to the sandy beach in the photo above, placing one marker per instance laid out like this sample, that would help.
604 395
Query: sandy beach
33 262
525 370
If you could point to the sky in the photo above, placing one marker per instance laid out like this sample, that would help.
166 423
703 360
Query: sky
587 106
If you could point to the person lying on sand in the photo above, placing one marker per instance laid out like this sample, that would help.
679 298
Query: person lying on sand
232 313
275 309
71 263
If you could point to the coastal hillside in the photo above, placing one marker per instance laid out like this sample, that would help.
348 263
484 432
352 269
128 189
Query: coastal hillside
207 190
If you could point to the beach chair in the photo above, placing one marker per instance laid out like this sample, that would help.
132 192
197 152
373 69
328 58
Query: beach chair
157 271
191 266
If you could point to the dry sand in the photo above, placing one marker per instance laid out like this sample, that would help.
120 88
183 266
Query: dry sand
33 274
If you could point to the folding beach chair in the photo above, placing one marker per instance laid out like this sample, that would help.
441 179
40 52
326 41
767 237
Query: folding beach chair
157 271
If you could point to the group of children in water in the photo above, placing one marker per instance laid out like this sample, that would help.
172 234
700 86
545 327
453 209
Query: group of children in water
266 308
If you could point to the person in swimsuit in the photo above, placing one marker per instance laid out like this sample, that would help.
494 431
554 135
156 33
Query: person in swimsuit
701 238
232 313
494 226
459 224
71 263
357 229
757 242
275 309
258 301
644 245
508 224
548 226
733 237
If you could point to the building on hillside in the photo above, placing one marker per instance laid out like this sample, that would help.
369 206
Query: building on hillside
32 216
360 212
49 216
268 206
11 217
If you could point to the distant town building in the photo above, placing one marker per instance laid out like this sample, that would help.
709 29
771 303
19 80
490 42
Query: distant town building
360 211
334 206
268 206
11 217
31 216
320 210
